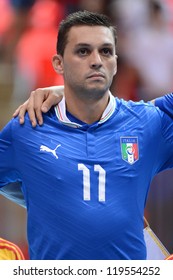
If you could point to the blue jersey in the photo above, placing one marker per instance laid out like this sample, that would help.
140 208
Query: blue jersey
165 103
85 186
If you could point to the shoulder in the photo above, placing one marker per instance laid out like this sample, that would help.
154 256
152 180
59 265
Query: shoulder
47 117
144 114
135 104
148 115
140 108
13 129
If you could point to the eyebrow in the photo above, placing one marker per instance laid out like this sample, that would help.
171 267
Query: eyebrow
88 45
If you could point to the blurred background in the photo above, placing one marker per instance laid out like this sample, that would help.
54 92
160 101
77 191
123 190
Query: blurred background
28 31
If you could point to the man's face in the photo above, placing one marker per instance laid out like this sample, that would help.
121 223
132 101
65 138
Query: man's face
89 61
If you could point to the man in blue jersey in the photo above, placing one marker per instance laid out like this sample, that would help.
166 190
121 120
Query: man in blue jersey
85 173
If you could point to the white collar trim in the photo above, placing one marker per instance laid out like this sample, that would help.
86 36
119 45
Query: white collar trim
60 111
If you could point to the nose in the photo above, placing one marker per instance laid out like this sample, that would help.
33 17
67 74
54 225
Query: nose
95 60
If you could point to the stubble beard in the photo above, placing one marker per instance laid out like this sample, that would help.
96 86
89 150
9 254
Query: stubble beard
90 94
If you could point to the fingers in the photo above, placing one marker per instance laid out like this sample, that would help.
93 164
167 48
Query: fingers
31 110
28 106
53 98
37 99
20 112
16 113
40 101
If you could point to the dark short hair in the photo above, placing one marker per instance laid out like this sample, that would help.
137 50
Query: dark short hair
78 19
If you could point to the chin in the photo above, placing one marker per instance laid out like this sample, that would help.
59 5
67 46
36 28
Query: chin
96 93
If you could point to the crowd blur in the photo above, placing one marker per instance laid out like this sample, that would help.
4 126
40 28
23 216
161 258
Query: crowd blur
28 31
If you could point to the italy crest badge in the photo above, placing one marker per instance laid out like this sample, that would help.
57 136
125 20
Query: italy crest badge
129 149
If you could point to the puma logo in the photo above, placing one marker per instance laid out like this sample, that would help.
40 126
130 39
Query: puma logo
48 150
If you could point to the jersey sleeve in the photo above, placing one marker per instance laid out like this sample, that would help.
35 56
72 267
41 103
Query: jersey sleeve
7 160
13 192
167 144
165 103
10 183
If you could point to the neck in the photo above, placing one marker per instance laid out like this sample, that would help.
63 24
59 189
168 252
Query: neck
88 111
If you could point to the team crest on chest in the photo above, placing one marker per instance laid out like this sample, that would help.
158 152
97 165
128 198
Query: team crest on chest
129 149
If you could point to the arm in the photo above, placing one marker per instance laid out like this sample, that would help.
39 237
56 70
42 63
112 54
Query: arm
40 101
165 103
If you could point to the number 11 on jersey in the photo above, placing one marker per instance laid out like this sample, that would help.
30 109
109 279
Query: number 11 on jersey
86 181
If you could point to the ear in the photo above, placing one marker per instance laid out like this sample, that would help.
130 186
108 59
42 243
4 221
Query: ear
57 63
115 68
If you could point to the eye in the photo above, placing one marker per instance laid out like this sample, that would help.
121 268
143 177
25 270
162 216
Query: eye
106 51
83 51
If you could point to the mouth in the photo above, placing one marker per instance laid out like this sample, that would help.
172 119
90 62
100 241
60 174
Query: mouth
96 76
